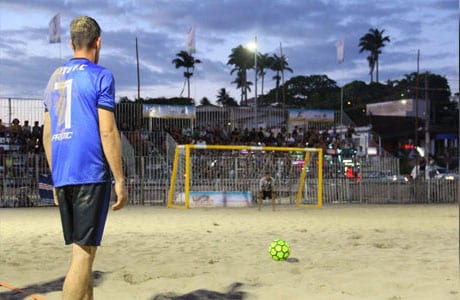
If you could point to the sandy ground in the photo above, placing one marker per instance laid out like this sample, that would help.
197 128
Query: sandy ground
343 252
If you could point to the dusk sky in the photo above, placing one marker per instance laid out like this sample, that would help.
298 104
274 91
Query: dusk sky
307 30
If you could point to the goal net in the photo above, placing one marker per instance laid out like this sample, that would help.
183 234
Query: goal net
226 175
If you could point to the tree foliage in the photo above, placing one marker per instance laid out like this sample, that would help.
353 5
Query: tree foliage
185 60
264 62
224 99
244 85
242 60
315 91
205 101
279 65
373 41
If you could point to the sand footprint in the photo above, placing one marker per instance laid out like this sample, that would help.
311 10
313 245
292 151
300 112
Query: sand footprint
136 278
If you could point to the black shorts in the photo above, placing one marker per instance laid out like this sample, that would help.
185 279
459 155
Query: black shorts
84 211
267 194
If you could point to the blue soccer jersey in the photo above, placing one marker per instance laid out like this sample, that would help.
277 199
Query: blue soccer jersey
74 93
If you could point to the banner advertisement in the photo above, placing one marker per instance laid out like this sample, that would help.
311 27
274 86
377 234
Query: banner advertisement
313 115
217 199
168 111
45 188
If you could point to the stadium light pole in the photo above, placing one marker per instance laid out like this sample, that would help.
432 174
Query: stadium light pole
253 47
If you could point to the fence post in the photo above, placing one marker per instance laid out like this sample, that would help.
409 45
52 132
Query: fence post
37 176
360 192
141 176
3 188
9 112
428 187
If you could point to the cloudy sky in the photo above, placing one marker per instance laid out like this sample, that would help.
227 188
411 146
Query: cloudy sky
307 30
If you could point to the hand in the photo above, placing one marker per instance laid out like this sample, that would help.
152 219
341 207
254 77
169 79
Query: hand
56 201
120 195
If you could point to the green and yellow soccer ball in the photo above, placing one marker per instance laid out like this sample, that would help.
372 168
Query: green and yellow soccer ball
279 250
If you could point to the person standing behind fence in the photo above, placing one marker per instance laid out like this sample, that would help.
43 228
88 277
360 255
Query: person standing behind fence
266 189
2 129
82 143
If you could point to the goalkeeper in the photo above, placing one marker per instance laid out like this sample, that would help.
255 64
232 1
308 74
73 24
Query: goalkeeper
266 189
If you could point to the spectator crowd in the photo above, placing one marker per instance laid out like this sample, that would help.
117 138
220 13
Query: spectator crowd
18 138
144 140
18 145
21 138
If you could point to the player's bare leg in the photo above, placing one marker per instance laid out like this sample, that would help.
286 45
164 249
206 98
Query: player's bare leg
273 201
78 283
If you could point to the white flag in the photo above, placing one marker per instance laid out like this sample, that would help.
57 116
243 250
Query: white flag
190 44
55 29
340 50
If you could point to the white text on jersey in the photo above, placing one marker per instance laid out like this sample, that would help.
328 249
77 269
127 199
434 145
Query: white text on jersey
62 136
67 70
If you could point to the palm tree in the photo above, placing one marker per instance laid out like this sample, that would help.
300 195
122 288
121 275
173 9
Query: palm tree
242 59
187 61
205 101
224 99
373 41
244 85
371 62
264 61
279 65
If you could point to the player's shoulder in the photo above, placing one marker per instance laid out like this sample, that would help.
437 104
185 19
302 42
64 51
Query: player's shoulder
101 70
101 74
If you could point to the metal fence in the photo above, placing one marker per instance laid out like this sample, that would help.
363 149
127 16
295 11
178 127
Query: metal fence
148 149
131 113
210 116
19 179
22 109
149 185
432 191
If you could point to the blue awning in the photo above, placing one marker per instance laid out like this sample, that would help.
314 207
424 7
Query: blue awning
446 136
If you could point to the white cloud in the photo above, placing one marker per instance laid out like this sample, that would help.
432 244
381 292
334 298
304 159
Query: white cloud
307 29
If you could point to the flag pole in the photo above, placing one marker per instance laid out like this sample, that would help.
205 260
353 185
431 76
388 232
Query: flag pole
138 74
341 104
54 27
341 94
60 42
340 45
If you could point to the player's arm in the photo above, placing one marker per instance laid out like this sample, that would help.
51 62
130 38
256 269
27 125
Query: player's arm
111 145
47 147
46 134
47 138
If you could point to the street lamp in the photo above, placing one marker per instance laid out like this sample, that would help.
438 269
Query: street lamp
253 47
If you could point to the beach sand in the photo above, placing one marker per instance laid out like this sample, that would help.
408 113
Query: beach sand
342 252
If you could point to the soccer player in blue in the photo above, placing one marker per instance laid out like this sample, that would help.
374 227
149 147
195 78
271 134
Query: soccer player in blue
82 145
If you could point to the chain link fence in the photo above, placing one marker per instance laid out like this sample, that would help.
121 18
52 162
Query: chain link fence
148 151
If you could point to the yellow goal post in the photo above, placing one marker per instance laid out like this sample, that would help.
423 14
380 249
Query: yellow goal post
228 175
